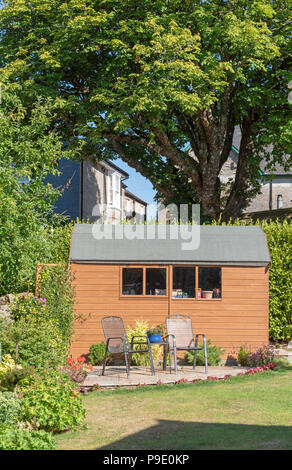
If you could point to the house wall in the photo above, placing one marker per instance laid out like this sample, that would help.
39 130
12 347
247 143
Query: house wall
132 206
240 317
95 193
282 185
94 189
68 181
228 169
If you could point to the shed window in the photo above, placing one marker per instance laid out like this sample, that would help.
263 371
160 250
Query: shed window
209 283
132 281
155 281
183 282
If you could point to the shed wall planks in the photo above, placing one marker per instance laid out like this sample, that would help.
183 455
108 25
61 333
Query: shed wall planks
240 317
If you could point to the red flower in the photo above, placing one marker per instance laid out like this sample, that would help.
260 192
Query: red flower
81 359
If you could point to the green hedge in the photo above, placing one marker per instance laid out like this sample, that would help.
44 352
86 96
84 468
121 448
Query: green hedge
279 237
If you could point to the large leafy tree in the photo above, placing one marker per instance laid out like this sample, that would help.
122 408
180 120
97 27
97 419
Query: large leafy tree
144 79
29 149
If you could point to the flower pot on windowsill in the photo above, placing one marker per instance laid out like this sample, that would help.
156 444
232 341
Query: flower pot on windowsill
154 338
207 294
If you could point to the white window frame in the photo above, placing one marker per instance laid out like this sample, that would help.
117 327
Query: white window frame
114 190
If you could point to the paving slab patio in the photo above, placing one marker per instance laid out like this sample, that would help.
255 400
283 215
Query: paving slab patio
115 376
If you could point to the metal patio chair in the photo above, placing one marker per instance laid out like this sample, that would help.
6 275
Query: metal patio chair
117 342
180 337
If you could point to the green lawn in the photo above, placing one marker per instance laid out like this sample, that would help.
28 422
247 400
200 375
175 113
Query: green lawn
242 413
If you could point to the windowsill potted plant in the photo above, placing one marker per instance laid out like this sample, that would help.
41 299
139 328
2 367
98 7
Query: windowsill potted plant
154 334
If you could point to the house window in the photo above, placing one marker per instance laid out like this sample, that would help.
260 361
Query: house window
110 189
183 282
155 281
117 191
279 201
114 190
132 281
209 280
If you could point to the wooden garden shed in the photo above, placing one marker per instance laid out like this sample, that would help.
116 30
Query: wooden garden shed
223 284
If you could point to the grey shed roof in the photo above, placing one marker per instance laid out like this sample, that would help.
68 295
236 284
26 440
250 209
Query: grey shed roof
219 245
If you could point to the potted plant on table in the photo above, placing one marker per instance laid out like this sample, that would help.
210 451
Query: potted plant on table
154 334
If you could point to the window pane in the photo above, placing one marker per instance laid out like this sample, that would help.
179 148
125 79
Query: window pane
110 188
132 281
155 281
117 201
210 283
183 283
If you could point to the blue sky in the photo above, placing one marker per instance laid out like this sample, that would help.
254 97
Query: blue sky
139 185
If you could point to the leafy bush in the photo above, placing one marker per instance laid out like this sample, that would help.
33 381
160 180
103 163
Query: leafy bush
140 329
7 365
30 307
10 379
261 357
55 284
40 334
23 439
97 353
50 402
32 343
10 408
243 356
214 354
10 374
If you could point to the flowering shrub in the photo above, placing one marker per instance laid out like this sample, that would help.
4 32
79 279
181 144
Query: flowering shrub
34 338
251 371
50 402
31 307
77 369
261 357
181 381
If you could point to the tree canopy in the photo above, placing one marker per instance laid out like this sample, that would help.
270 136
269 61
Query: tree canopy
143 80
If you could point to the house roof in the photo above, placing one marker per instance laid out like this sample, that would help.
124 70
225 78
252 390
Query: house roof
114 167
217 245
